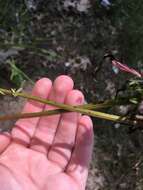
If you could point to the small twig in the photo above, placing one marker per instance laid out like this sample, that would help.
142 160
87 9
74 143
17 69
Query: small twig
15 93
106 104
30 115
101 115
84 109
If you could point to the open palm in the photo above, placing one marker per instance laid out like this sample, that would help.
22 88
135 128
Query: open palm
51 152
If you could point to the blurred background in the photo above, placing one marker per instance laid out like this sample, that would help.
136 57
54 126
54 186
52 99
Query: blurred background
43 38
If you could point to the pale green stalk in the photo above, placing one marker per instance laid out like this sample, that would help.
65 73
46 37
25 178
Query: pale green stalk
63 107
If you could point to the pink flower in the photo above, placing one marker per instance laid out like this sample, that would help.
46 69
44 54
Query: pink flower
125 68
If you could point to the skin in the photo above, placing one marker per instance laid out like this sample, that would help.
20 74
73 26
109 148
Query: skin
48 153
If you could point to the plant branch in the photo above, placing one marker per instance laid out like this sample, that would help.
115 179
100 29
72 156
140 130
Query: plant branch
84 109
97 114
100 105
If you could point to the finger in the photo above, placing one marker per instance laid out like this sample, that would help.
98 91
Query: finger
24 128
64 141
81 156
5 140
47 126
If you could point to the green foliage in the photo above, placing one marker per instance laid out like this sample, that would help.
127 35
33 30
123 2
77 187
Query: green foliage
17 75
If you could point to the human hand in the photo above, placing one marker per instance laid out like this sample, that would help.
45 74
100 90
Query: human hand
51 152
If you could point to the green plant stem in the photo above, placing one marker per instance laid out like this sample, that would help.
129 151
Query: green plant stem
101 115
30 115
15 93
81 109
12 64
106 104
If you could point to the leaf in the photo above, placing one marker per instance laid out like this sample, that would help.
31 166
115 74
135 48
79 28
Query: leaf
134 100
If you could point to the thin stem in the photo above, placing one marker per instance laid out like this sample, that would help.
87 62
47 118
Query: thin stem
105 104
12 64
97 114
29 115
63 107
15 93
81 109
